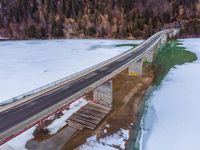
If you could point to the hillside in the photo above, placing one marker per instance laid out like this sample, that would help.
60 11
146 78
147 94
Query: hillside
24 19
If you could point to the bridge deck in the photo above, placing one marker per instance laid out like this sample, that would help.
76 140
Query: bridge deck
14 116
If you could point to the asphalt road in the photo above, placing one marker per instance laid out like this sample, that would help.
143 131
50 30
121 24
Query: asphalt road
14 116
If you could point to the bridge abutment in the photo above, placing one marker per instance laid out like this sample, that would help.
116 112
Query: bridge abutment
135 68
103 94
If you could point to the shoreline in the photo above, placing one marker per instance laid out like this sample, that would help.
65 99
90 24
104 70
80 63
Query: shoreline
135 132
159 76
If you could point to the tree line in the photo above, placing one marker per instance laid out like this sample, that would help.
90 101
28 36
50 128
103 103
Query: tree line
94 18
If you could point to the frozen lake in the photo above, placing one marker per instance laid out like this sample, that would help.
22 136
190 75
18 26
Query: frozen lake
27 65
174 108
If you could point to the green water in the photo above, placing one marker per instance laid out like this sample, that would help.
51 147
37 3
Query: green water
168 55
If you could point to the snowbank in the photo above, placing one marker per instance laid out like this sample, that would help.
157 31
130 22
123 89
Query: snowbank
27 65
19 142
108 143
59 123
176 104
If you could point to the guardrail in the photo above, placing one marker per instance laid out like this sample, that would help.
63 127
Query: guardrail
148 49
76 75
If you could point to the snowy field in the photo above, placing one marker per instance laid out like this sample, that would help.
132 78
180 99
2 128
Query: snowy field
113 142
175 107
27 65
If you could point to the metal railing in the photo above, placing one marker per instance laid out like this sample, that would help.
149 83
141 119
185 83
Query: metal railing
76 75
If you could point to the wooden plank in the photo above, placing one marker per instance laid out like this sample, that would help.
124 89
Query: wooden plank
100 106
84 123
91 112
83 119
86 119
89 116
96 109
75 125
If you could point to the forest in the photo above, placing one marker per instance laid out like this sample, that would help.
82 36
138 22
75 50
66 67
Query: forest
131 19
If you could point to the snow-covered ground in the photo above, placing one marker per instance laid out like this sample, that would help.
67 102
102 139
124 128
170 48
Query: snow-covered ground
108 143
19 142
26 65
175 107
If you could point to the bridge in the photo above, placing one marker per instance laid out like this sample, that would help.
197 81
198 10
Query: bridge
22 112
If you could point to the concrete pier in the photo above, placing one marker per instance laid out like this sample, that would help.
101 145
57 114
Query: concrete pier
164 38
148 57
176 32
135 69
104 94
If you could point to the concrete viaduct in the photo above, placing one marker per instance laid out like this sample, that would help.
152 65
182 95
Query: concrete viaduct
22 112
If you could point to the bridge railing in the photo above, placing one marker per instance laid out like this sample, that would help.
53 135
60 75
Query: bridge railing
74 76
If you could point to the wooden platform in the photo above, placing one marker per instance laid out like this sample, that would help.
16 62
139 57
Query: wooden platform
88 116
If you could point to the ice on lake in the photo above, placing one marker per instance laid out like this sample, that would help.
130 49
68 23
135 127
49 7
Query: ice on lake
27 65
177 107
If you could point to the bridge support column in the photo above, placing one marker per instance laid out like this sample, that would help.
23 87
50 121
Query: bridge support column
164 39
170 35
148 57
104 94
176 31
135 68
